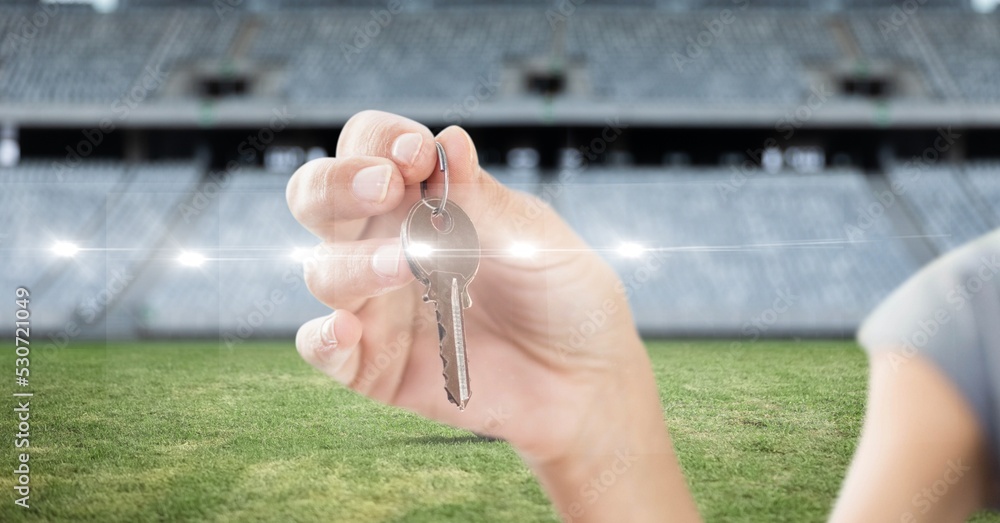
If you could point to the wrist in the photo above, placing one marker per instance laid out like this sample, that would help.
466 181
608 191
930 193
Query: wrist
620 465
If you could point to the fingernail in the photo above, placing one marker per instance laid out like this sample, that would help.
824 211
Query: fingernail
327 333
372 183
406 147
385 262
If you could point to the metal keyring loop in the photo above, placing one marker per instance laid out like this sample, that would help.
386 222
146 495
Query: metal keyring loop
443 167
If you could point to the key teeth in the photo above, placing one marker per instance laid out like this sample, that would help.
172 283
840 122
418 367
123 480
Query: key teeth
444 366
451 398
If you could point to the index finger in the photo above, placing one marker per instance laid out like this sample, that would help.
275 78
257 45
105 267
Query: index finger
409 144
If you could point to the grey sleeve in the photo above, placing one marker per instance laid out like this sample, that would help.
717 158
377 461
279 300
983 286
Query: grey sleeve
949 313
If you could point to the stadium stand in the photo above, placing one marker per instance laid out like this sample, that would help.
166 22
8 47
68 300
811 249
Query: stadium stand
77 56
942 203
730 252
81 205
967 59
758 57
247 236
767 54
453 54
984 185
726 254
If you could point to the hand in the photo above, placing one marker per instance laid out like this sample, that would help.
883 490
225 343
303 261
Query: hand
567 395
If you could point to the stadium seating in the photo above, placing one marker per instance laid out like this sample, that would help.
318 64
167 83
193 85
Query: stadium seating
777 254
763 55
984 184
77 56
731 251
453 55
773 255
944 203
756 58
247 236
105 209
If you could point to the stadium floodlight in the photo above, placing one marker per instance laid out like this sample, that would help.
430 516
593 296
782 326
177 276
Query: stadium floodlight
419 250
631 250
65 249
190 259
522 250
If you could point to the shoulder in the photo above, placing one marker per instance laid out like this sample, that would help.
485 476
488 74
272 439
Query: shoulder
939 299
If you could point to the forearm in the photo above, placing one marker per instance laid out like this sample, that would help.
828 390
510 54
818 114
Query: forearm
623 466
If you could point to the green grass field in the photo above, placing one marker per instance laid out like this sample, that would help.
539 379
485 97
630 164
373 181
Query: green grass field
195 432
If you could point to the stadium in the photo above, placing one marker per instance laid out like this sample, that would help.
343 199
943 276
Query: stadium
760 174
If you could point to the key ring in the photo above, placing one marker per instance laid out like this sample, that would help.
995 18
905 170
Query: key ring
443 167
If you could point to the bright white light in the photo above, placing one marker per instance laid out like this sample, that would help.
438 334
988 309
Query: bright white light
10 152
65 249
299 254
190 259
772 159
419 250
984 6
631 250
522 250
101 6
523 158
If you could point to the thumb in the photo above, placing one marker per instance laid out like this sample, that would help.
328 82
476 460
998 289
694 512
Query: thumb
503 216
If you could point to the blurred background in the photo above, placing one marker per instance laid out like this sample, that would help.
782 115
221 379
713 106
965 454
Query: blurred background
752 168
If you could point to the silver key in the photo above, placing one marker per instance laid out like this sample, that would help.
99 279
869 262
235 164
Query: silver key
443 253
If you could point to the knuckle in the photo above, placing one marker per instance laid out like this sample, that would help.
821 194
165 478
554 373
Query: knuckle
364 132
361 119
339 276
308 186
320 281
321 183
